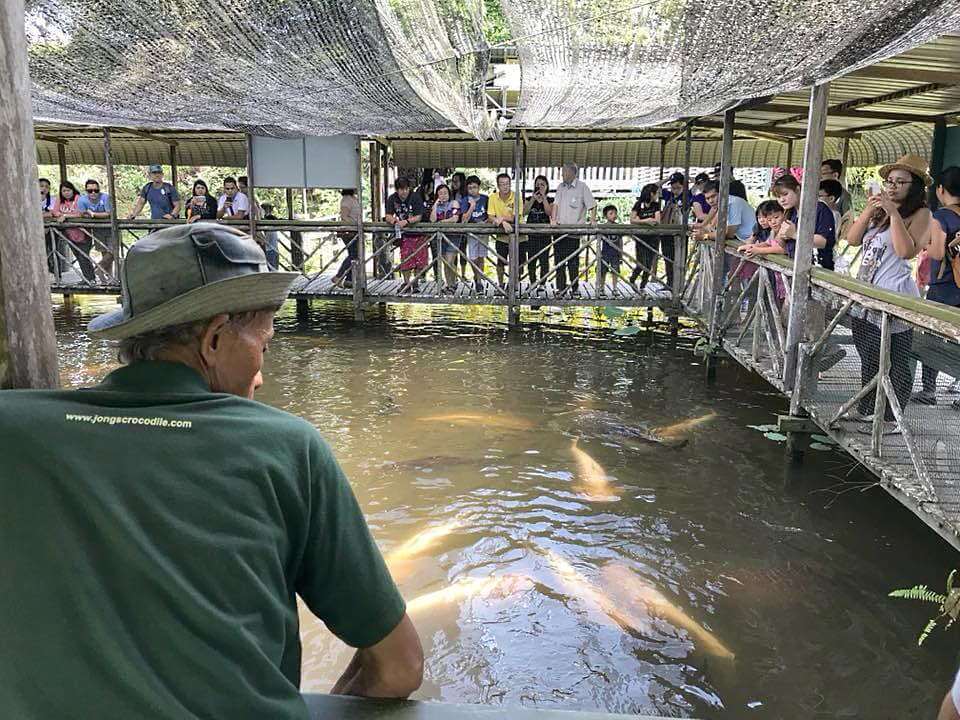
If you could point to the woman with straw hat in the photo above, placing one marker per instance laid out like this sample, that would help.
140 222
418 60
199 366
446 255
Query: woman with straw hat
893 228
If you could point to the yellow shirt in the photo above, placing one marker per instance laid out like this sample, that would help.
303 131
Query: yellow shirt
499 207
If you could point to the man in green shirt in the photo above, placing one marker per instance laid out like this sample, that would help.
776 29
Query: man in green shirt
157 529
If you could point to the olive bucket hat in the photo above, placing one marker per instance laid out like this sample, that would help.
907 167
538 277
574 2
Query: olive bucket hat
187 273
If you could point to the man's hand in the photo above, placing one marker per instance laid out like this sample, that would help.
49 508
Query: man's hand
393 668
167 216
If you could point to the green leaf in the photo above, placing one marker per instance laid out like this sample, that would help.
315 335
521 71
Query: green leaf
823 439
628 330
778 437
763 428
822 447
613 312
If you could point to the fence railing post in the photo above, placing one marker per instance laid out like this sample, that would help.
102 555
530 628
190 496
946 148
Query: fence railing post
719 256
803 255
359 271
513 262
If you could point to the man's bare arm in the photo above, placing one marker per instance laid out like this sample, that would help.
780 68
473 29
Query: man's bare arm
393 668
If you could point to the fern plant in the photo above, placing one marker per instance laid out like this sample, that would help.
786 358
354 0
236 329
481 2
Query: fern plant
949 604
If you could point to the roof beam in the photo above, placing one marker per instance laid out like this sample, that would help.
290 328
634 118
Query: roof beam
905 74
862 102
862 114
53 139
145 135
754 128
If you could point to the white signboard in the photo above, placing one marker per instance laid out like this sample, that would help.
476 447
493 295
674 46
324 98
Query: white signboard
322 162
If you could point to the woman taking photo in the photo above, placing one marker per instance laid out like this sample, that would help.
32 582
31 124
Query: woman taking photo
646 211
445 210
64 208
537 209
943 286
893 228
202 206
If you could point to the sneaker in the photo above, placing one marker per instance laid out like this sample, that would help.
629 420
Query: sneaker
830 359
924 397
889 428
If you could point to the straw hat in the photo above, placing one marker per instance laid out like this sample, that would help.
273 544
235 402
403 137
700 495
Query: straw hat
191 272
913 164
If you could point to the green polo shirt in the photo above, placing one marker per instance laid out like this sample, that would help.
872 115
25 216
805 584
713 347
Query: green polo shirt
154 536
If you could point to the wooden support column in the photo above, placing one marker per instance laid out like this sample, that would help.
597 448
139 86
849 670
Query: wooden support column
789 163
663 158
513 264
28 348
844 157
680 249
360 263
111 189
174 170
803 257
376 168
289 198
62 162
251 190
719 257
937 152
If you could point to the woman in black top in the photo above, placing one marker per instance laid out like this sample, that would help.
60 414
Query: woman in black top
202 206
537 209
646 211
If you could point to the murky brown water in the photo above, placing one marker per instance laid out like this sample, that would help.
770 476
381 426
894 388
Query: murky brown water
626 598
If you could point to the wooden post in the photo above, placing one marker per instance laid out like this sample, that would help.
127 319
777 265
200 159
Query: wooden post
62 161
359 263
680 246
937 153
376 200
803 256
513 262
111 189
28 348
663 157
251 190
790 155
289 194
719 257
174 170
844 157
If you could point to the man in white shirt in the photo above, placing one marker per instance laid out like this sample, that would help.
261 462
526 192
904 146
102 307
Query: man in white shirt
571 205
233 204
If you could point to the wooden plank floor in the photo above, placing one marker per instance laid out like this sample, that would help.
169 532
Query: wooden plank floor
936 431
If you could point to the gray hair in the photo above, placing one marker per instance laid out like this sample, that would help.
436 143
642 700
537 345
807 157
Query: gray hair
151 345
572 167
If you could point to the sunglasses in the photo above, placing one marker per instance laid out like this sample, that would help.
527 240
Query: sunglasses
93 190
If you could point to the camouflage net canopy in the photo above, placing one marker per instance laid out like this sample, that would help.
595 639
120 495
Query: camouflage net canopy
272 67
610 63
369 67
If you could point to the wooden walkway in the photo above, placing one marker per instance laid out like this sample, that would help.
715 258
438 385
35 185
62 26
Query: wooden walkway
936 429
321 287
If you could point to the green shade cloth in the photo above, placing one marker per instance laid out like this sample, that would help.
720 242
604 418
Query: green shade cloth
154 538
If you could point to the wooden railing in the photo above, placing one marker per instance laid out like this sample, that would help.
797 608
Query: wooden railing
865 354
458 263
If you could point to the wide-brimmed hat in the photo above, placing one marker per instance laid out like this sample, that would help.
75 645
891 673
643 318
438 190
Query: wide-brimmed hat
187 273
913 164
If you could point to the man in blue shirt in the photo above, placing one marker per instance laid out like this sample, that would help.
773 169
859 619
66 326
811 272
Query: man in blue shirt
95 205
163 197
740 216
